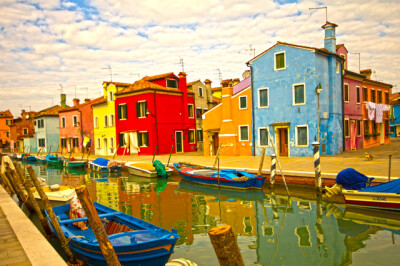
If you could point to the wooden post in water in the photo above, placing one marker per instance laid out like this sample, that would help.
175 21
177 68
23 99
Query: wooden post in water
317 167
217 156
261 162
57 149
7 183
52 215
97 226
154 155
17 192
224 243
23 196
170 153
272 173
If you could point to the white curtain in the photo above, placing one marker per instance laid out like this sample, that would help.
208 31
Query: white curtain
126 140
134 142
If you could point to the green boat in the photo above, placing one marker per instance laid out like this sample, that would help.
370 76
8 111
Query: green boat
53 160
75 164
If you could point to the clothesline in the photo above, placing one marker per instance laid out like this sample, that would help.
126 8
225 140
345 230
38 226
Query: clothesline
376 110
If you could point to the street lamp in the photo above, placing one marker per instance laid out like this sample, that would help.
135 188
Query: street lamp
318 90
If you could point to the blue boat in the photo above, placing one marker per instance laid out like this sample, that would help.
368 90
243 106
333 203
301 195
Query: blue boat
104 165
28 158
136 242
53 160
226 178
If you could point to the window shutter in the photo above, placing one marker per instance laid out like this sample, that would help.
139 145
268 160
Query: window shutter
126 111
145 108
146 135
137 109
140 139
119 112
121 139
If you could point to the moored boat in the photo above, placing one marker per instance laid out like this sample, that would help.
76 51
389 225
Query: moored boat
29 158
145 169
56 194
53 160
104 165
75 164
227 178
136 242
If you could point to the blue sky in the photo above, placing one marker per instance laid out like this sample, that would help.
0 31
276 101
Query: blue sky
47 45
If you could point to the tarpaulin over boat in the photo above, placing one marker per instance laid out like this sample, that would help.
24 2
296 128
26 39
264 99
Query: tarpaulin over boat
51 157
352 180
389 187
101 161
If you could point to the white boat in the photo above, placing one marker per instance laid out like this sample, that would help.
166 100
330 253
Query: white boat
56 194
144 169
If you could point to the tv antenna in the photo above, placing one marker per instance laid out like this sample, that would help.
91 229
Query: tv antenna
322 7
251 50
181 63
219 74
109 68
61 88
85 88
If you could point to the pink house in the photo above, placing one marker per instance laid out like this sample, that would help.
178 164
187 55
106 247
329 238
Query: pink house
76 125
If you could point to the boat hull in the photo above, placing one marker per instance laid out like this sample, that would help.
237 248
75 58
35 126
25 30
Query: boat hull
388 201
104 169
145 169
75 164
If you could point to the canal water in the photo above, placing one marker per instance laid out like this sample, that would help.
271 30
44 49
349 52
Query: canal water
271 228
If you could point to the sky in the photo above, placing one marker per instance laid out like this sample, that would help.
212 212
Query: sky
72 46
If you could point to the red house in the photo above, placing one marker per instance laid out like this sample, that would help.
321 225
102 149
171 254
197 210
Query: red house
156 111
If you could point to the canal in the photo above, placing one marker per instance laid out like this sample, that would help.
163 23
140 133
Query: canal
271 228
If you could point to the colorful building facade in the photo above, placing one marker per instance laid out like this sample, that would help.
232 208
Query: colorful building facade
76 124
229 124
155 114
105 142
395 115
296 92
6 120
23 133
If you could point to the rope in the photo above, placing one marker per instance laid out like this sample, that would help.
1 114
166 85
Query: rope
69 239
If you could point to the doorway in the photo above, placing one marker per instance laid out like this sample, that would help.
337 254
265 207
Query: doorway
382 133
179 141
353 134
105 147
215 143
283 141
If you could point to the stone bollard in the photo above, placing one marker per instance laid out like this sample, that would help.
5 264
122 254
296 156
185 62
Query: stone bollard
317 166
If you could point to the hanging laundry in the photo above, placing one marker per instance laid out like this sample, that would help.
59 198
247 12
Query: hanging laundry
371 110
86 140
379 112
386 107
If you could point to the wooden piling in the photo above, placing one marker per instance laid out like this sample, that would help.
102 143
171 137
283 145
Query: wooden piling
272 174
217 156
97 226
170 153
51 214
225 246
317 167
6 181
261 162
17 192
25 198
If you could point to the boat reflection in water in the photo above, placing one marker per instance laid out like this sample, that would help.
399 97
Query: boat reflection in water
271 228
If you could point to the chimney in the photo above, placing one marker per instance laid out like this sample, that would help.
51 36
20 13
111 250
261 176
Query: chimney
330 37
366 73
208 82
22 112
76 102
183 88
87 100
63 100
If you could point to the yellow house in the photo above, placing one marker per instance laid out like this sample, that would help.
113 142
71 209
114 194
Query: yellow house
104 119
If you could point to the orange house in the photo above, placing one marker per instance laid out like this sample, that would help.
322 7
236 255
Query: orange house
376 131
6 119
229 124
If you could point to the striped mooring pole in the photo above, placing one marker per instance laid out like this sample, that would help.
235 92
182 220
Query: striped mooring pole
317 166
273 169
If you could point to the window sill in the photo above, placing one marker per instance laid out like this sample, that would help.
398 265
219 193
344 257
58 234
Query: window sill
263 107
243 108
279 69
301 146
298 104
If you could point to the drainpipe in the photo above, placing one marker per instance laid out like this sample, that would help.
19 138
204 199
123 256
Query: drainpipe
155 115
252 111
341 85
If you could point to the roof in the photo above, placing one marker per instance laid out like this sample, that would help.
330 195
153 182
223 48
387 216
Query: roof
144 84
341 45
216 99
216 89
51 111
91 102
242 85
193 82
166 75
348 72
394 96
6 114
100 102
377 83
320 50
329 24
122 84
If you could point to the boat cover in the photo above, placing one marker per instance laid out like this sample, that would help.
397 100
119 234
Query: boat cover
51 157
101 161
352 180
231 173
389 187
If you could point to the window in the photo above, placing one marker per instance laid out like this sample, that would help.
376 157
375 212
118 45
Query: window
141 108
41 142
8 134
75 121
110 96
262 136
366 127
379 96
111 143
374 127
280 62
337 66
386 97
199 135
301 135
263 101
106 121
112 123
98 143
9 122
191 136
346 128
387 127
365 94
172 83
242 102
63 122
198 112
358 128
190 110
205 110
75 142
200 91
358 91
25 131
299 95
143 139
243 133
373 96
40 123
346 92
96 122
63 142
122 111
121 140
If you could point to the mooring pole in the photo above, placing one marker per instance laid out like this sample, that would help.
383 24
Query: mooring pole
390 166
23 196
97 226
261 162
51 214
317 166
226 248
170 153
6 181
217 156
17 192
154 155
272 173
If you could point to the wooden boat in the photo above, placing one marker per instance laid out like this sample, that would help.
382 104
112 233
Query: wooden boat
379 200
144 169
227 178
40 159
53 160
136 242
75 164
28 158
104 165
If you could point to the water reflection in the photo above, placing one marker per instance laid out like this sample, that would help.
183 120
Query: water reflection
271 228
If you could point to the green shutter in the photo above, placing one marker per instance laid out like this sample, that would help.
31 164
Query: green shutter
145 108
137 109
146 136
126 111
280 61
299 94
119 112
121 139
140 139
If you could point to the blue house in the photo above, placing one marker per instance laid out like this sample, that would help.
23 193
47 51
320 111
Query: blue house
297 93
395 115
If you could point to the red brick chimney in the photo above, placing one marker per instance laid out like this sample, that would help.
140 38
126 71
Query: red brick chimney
183 88
87 100
76 102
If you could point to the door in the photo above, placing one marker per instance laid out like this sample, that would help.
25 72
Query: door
105 147
179 141
383 132
283 141
353 134
215 143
